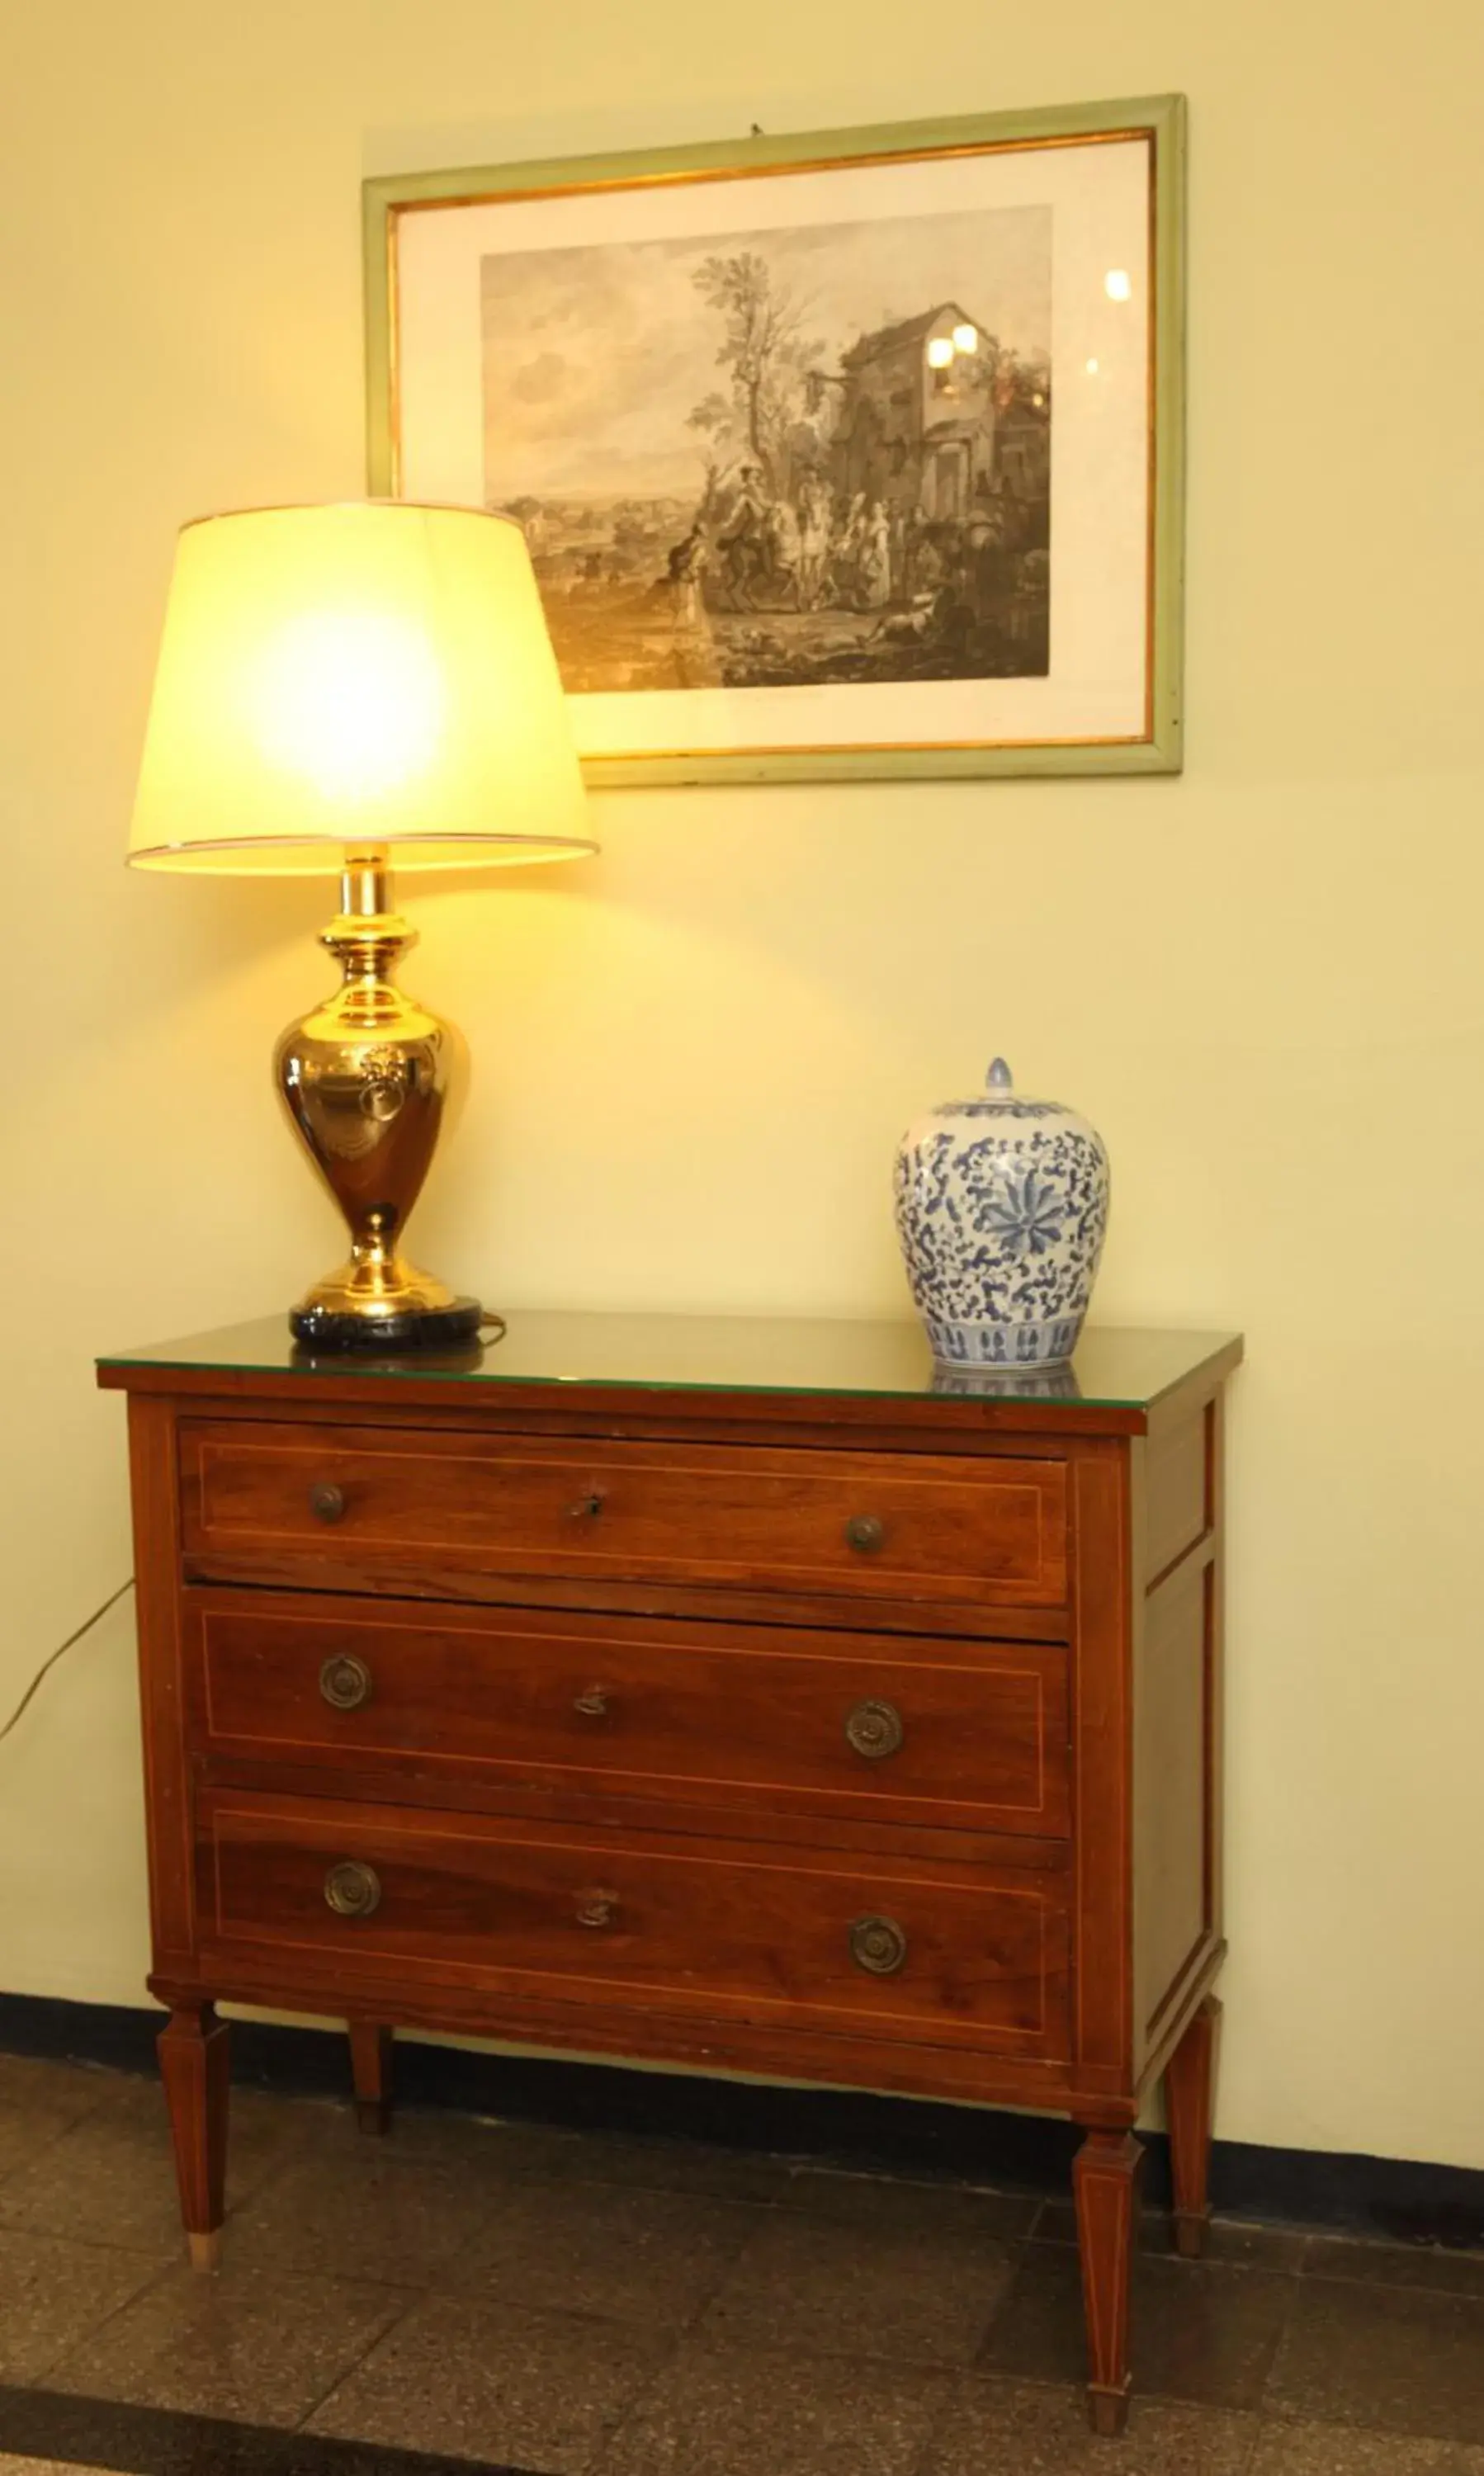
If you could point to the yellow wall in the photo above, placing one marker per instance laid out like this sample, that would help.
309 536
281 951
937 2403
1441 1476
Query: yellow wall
1261 981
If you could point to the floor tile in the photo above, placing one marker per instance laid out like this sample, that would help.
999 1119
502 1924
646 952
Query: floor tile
496 2384
609 2305
351 2212
628 2254
52 2292
110 2178
1231 2240
38 2102
88 2434
1346 2450
735 2413
45 2467
536 2152
1389 2265
493 2147
265 2131
811 2283
877 2203
1409 2360
1014 2429
253 2344
662 2165
1200 2331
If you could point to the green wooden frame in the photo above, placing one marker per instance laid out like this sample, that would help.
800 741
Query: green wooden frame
1160 118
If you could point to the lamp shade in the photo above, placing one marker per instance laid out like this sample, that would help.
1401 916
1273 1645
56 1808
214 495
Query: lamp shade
376 674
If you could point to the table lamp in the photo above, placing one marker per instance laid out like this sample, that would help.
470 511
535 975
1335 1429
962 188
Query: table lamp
339 687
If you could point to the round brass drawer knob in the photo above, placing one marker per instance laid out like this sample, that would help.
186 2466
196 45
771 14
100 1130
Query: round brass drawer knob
327 1501
865 1532
353 1890
596 1908
878 1946
874 1730
345 1682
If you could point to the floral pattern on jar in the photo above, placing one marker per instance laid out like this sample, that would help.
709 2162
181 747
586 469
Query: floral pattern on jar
1001 1210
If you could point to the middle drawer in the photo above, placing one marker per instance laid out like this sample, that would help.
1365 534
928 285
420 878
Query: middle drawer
888 1728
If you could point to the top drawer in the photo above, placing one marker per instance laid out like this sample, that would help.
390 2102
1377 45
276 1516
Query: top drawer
870 1525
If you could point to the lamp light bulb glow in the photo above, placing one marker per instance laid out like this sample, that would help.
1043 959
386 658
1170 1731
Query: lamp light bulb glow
1116 285
966 338
940 351
351 700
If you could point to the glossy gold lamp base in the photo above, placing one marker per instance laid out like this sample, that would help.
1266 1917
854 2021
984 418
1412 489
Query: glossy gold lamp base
366 1079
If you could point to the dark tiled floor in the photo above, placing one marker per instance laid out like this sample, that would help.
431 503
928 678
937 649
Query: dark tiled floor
250 2343
45 2467
1388 2356
544 2389
907 2295
52 2294
352 2212
718 2412
38 2102
1024 2431
649 2259
1204 2331
107 2178
590 2306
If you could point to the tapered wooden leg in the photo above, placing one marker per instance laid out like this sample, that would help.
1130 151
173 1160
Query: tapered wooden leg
1105 2180
371 2074
195 2066
1190 2095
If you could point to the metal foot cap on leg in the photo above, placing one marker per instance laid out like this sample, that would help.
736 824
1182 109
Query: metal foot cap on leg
1108 2410
206 2252
195 2070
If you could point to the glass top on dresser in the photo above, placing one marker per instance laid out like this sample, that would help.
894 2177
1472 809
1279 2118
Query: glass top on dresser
1112 1368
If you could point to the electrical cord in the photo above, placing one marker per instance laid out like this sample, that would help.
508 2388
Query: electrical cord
491 1330
47 1665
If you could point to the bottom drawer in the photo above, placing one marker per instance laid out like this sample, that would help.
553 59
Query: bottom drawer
940 1954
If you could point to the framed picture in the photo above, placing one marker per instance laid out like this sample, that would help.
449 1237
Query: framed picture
839 455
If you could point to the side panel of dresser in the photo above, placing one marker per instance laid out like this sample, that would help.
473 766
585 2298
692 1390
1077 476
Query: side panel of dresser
1103 1886
170 1820
1176 1532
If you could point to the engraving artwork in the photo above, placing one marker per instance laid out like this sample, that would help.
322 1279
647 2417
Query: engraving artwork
761 459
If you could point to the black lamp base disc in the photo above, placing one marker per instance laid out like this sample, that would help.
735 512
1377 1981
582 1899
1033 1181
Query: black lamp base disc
419 1328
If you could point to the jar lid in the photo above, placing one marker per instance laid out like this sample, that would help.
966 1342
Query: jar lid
1000 1099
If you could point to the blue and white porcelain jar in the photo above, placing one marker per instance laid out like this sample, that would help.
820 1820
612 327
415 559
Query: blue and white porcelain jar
1002 1207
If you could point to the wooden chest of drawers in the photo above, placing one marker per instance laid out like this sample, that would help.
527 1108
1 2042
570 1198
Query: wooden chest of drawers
736 1695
